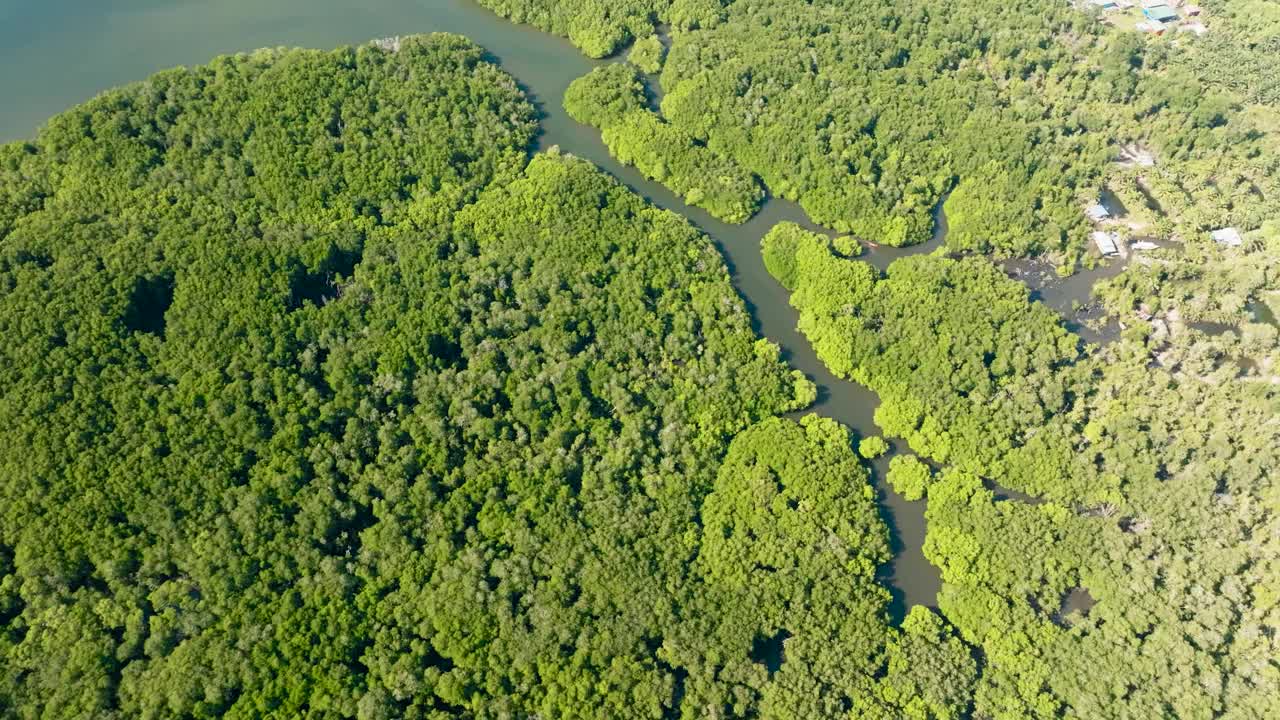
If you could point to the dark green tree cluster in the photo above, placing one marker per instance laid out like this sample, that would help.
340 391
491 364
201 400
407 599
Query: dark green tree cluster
930 674
196 421
612 98
319 404
791 543
322 399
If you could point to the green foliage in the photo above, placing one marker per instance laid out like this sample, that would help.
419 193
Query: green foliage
847 246
648 54
909 476
604 96
791 542
663 153
868 116
962 363
1147 461
873 447
1138 456
931 673
612 99
321 399
992 210
1238 54
779 247
696 14
598 27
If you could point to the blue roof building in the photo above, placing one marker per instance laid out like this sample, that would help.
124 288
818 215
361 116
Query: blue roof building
1160 13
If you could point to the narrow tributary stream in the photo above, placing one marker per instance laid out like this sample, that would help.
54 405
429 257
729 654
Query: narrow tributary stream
59 54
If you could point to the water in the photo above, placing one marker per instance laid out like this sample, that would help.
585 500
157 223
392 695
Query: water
57 53
1076 605
1071 296
1264 312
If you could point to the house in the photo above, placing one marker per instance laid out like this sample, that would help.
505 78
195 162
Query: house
1134 154
1192 10
1105 4
1227 237
1106 243
1143 245
1160 13
1097 212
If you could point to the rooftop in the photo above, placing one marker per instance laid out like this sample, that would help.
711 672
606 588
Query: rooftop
1106 243
1229 237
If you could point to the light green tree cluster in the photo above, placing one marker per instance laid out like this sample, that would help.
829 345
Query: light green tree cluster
648 54
597 27
612 99
873 447
1151 480
909 476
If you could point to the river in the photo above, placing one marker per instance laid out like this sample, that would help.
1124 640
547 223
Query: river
57 54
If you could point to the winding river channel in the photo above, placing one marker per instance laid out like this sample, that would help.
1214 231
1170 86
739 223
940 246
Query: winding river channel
59 53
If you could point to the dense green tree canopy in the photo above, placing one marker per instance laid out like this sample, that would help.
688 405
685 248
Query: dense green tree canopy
964 366
648 54
791 545
1152 468
869 114
1147 461
323 399
612 98
308 381
909 476
598 27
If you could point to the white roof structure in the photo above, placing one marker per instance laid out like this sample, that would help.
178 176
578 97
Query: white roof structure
1229 237
1106 243
1143 245
1098 212
1134 154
